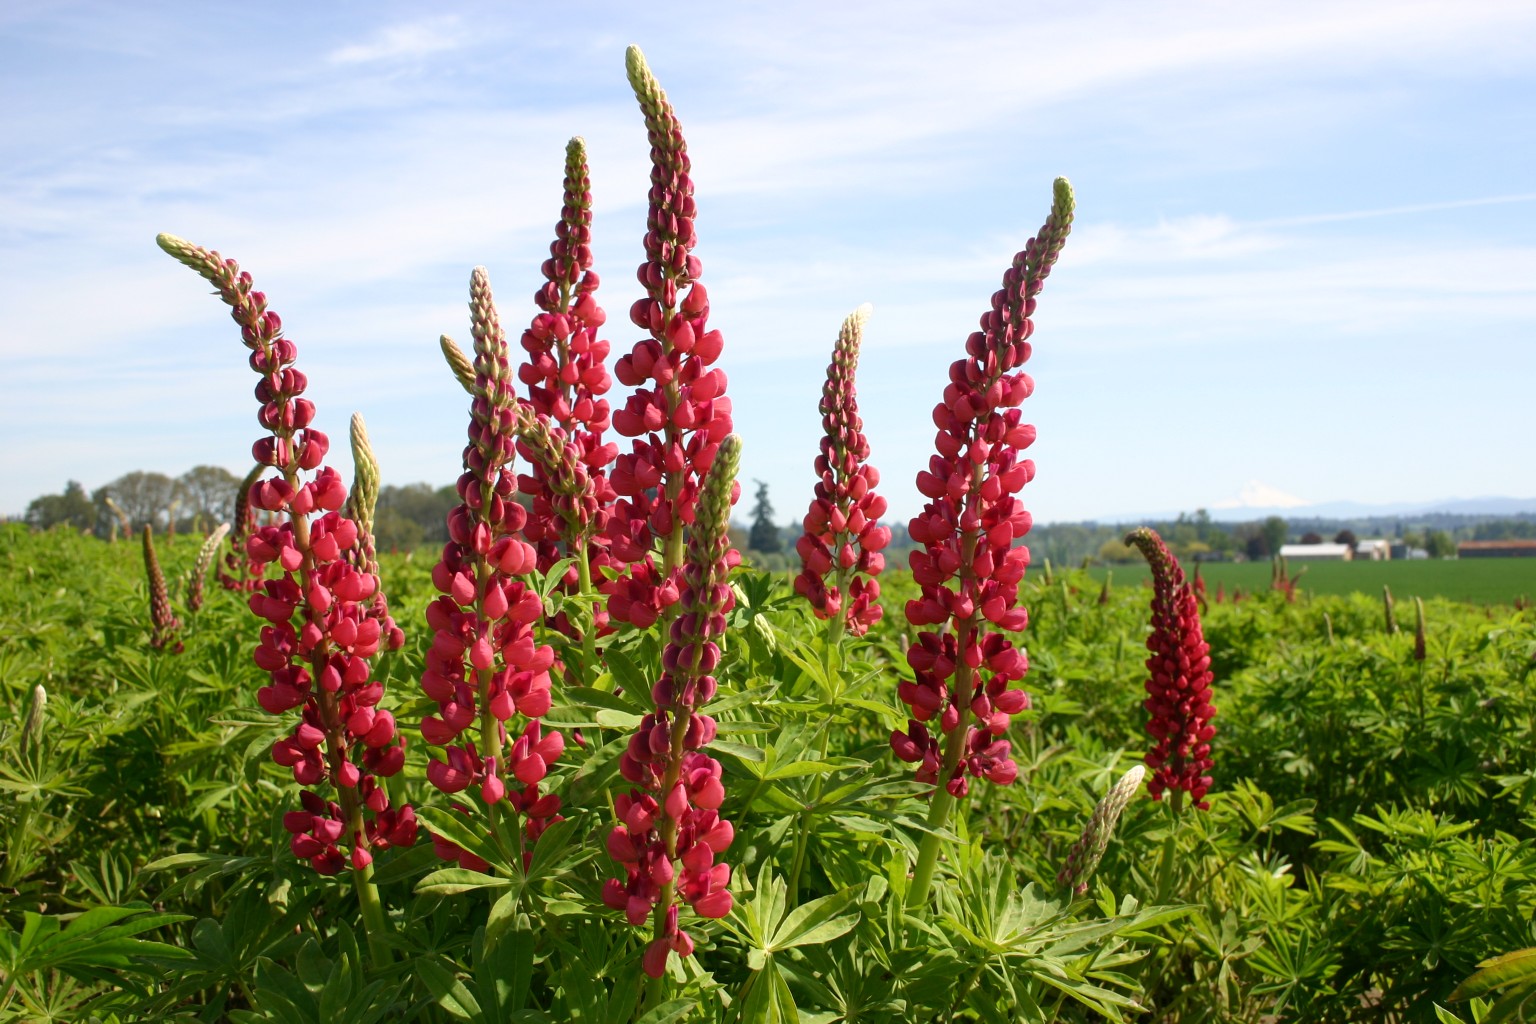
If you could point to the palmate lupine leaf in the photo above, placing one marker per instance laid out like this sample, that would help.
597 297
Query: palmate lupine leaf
100 940
1515 973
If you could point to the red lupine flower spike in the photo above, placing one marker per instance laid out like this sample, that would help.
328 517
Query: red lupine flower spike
671 832
319 636
1179 687
840 551
969 568
164 626
485 666
680 412
566 376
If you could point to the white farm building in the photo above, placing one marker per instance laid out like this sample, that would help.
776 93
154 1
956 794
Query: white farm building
1315 552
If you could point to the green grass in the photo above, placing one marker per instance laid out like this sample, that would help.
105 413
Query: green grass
1496 581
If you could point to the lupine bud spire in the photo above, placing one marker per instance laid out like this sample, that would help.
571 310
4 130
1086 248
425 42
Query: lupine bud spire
1420 649
680 412
843 538
461 365
241 572
485 666
1089 849
361 505
122 517
205 556
671 831
32 725
1179 688
1389 608
162 621
319 637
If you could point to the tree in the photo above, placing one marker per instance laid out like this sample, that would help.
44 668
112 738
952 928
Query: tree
413 514
1274 531
765 535
209 491
145 497
1440 544
1311 537
1114 552
72 508
1347 537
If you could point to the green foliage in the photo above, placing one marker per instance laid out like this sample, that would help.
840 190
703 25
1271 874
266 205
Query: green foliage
1368 849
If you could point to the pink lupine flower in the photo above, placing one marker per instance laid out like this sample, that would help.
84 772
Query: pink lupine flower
164 626
680 412
968 567
671 832
319 636
485 665
1179 689
566 378
843 539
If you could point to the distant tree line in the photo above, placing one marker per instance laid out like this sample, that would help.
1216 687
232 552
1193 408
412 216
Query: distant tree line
1192 536
198 500
412 515
204 496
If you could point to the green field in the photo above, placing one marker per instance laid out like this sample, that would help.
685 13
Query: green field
1497 581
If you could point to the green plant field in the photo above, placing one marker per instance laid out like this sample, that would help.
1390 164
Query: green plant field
1495 581
1369 838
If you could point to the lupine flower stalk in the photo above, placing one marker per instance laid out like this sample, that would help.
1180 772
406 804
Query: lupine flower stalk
485 666
1389 608
32 724
1420 647
671 832
123 521
1179 688
163 624
462 366
840 551
205 556
319 636
1089 849
968 567
679 413
360 507
240 571
566 376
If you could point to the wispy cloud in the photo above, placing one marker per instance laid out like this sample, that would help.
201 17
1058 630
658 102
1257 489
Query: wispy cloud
408 41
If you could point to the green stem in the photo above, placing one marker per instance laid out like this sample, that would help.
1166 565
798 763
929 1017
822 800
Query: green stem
928 853
942 801
1170 854
803 833
589 602
965 989
375 924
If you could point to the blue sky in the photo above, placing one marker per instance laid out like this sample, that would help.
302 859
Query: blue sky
1305 253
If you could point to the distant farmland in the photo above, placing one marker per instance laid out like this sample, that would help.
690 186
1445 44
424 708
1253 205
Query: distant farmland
1478 580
